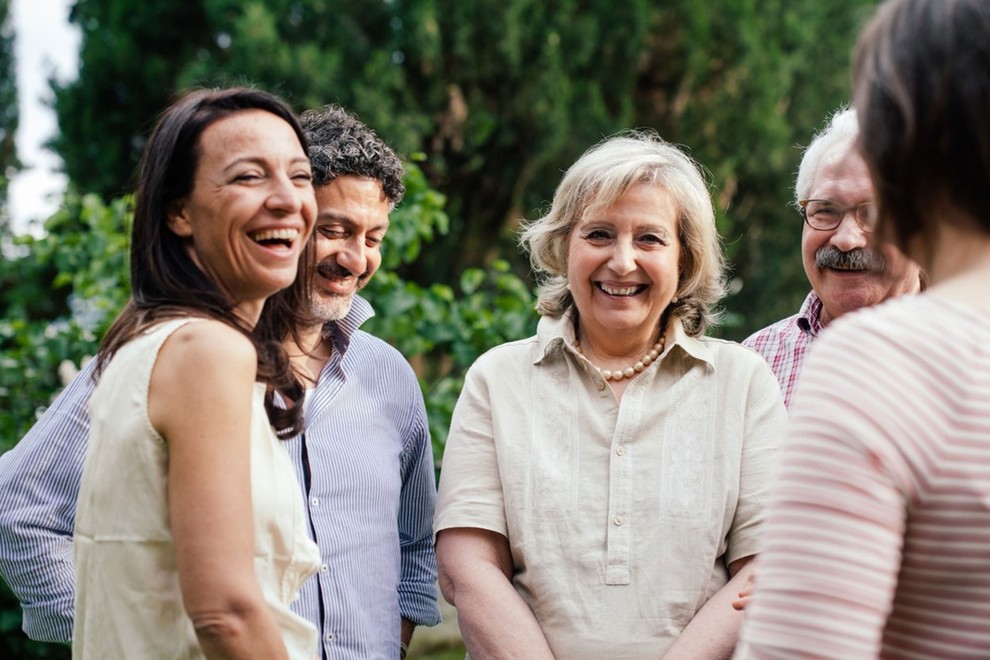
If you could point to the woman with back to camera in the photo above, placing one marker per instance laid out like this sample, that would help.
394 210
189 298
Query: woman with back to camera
190 538
878 535
603 482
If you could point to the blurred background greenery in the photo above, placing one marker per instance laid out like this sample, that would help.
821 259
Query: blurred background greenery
488 100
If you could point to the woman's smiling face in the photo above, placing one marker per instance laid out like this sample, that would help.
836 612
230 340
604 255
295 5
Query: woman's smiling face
623 264
251 208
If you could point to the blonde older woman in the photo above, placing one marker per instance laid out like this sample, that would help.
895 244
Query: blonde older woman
603 482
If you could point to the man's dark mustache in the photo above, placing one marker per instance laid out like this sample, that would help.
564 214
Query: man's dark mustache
858 259
332 270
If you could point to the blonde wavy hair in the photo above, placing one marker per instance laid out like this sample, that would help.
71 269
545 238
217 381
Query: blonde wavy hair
594 183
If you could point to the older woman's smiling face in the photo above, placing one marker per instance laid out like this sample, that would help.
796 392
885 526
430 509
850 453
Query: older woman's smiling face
623 266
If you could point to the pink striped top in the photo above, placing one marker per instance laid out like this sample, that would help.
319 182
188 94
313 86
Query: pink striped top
878 533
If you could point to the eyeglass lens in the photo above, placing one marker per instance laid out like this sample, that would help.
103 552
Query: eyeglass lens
825 214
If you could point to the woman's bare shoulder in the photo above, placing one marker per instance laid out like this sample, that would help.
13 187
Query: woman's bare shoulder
208 340
205 350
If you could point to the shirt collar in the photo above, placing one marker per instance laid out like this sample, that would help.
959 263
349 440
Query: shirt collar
810 317
340 331
553 334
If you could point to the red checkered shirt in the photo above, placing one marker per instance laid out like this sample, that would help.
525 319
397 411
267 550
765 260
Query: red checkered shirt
785 343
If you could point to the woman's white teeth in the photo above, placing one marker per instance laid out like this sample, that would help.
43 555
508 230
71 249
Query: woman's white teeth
620 291
275 235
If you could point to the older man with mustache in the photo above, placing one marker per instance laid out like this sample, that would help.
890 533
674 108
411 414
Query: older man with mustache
846 270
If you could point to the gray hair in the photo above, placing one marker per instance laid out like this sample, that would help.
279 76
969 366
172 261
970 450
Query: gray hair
594 183
842 130
340 144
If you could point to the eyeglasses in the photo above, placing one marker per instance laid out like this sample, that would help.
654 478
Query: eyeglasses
826 215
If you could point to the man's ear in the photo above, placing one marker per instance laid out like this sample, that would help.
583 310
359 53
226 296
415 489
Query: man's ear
178 219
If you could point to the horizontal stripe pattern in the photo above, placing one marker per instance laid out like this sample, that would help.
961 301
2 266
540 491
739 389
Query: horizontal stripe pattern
878 532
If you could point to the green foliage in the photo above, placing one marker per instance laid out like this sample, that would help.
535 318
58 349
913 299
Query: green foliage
458 652
501 95
57 296
14 643
516 82
743 83
442 329
60 293
8 110
130 59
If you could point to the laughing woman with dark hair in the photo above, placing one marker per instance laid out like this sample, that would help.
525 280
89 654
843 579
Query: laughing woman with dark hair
190 537
878 532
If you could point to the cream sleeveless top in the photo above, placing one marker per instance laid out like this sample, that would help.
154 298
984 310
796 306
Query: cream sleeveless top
128 603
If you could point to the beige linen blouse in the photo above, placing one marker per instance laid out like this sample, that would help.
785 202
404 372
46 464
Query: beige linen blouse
621 517
128 602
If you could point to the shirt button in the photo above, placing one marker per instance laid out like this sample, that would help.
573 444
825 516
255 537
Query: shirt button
618 520
325 568
329 637
315 501
620 450
601 385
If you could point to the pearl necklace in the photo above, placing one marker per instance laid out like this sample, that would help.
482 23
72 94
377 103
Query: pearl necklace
628 372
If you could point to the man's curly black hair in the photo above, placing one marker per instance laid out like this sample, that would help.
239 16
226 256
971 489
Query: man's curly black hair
339 144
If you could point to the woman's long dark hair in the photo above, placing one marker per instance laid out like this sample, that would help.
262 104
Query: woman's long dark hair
165 282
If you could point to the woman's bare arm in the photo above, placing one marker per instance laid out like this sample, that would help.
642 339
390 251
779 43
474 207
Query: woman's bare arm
714 630
200 402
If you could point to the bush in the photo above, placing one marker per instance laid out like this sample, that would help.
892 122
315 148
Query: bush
440 329
59 294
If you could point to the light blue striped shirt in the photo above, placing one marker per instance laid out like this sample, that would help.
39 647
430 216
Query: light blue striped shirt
366 465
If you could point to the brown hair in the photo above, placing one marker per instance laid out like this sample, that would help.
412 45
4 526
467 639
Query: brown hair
165 282
922 93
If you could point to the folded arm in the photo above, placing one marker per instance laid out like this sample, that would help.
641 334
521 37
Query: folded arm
714 630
